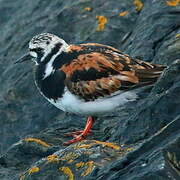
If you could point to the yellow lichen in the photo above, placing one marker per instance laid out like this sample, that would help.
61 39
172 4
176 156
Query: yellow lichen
102 20
38 141
69 156
177 35
89 167
123 13
107 159
129 149
67 171
108 144
173 161
80 164
79 146
52 158
33 170
22 177
173 2
87 8
70 161
138 4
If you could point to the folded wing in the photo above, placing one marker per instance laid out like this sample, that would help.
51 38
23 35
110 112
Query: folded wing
99 71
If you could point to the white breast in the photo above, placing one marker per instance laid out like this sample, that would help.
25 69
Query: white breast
71 103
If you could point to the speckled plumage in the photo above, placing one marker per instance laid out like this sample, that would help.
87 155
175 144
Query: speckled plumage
88 79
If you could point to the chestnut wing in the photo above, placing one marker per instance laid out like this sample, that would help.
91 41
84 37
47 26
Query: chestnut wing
99 71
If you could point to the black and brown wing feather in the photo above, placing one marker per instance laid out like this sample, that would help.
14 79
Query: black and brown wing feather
99 71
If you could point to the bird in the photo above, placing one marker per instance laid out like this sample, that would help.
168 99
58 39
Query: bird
88 79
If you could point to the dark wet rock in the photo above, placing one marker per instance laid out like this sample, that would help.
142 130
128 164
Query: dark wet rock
76 161
155 111
147 131
154 34
172 157
151 159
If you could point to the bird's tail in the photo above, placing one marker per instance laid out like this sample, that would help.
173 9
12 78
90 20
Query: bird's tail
150 74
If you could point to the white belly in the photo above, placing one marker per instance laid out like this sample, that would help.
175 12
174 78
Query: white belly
71 103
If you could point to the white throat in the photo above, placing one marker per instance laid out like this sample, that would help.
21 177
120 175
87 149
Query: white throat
49 66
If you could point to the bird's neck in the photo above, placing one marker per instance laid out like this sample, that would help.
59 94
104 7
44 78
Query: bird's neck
52 86
39 72
55 63
49 66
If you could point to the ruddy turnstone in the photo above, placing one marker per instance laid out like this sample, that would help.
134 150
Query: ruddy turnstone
88 79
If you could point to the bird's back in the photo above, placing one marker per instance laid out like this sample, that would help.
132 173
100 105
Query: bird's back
97 70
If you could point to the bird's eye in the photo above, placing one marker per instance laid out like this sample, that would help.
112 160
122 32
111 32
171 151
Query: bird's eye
38 50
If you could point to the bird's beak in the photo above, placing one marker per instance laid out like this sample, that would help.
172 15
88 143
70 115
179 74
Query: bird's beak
25 57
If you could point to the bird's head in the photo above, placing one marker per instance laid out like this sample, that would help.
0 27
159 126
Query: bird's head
43 48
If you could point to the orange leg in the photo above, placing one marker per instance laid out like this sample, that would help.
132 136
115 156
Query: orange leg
76 133
80 135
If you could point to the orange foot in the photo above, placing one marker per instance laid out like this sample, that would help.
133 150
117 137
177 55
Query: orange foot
80 135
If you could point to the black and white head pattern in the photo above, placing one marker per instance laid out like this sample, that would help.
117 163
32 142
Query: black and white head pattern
44 48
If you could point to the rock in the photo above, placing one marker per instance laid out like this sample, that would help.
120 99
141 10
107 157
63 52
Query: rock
171 154
150 160
155 111
76 161
138 141
155 30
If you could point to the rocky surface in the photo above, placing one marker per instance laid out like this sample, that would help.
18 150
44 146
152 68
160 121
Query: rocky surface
144 135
